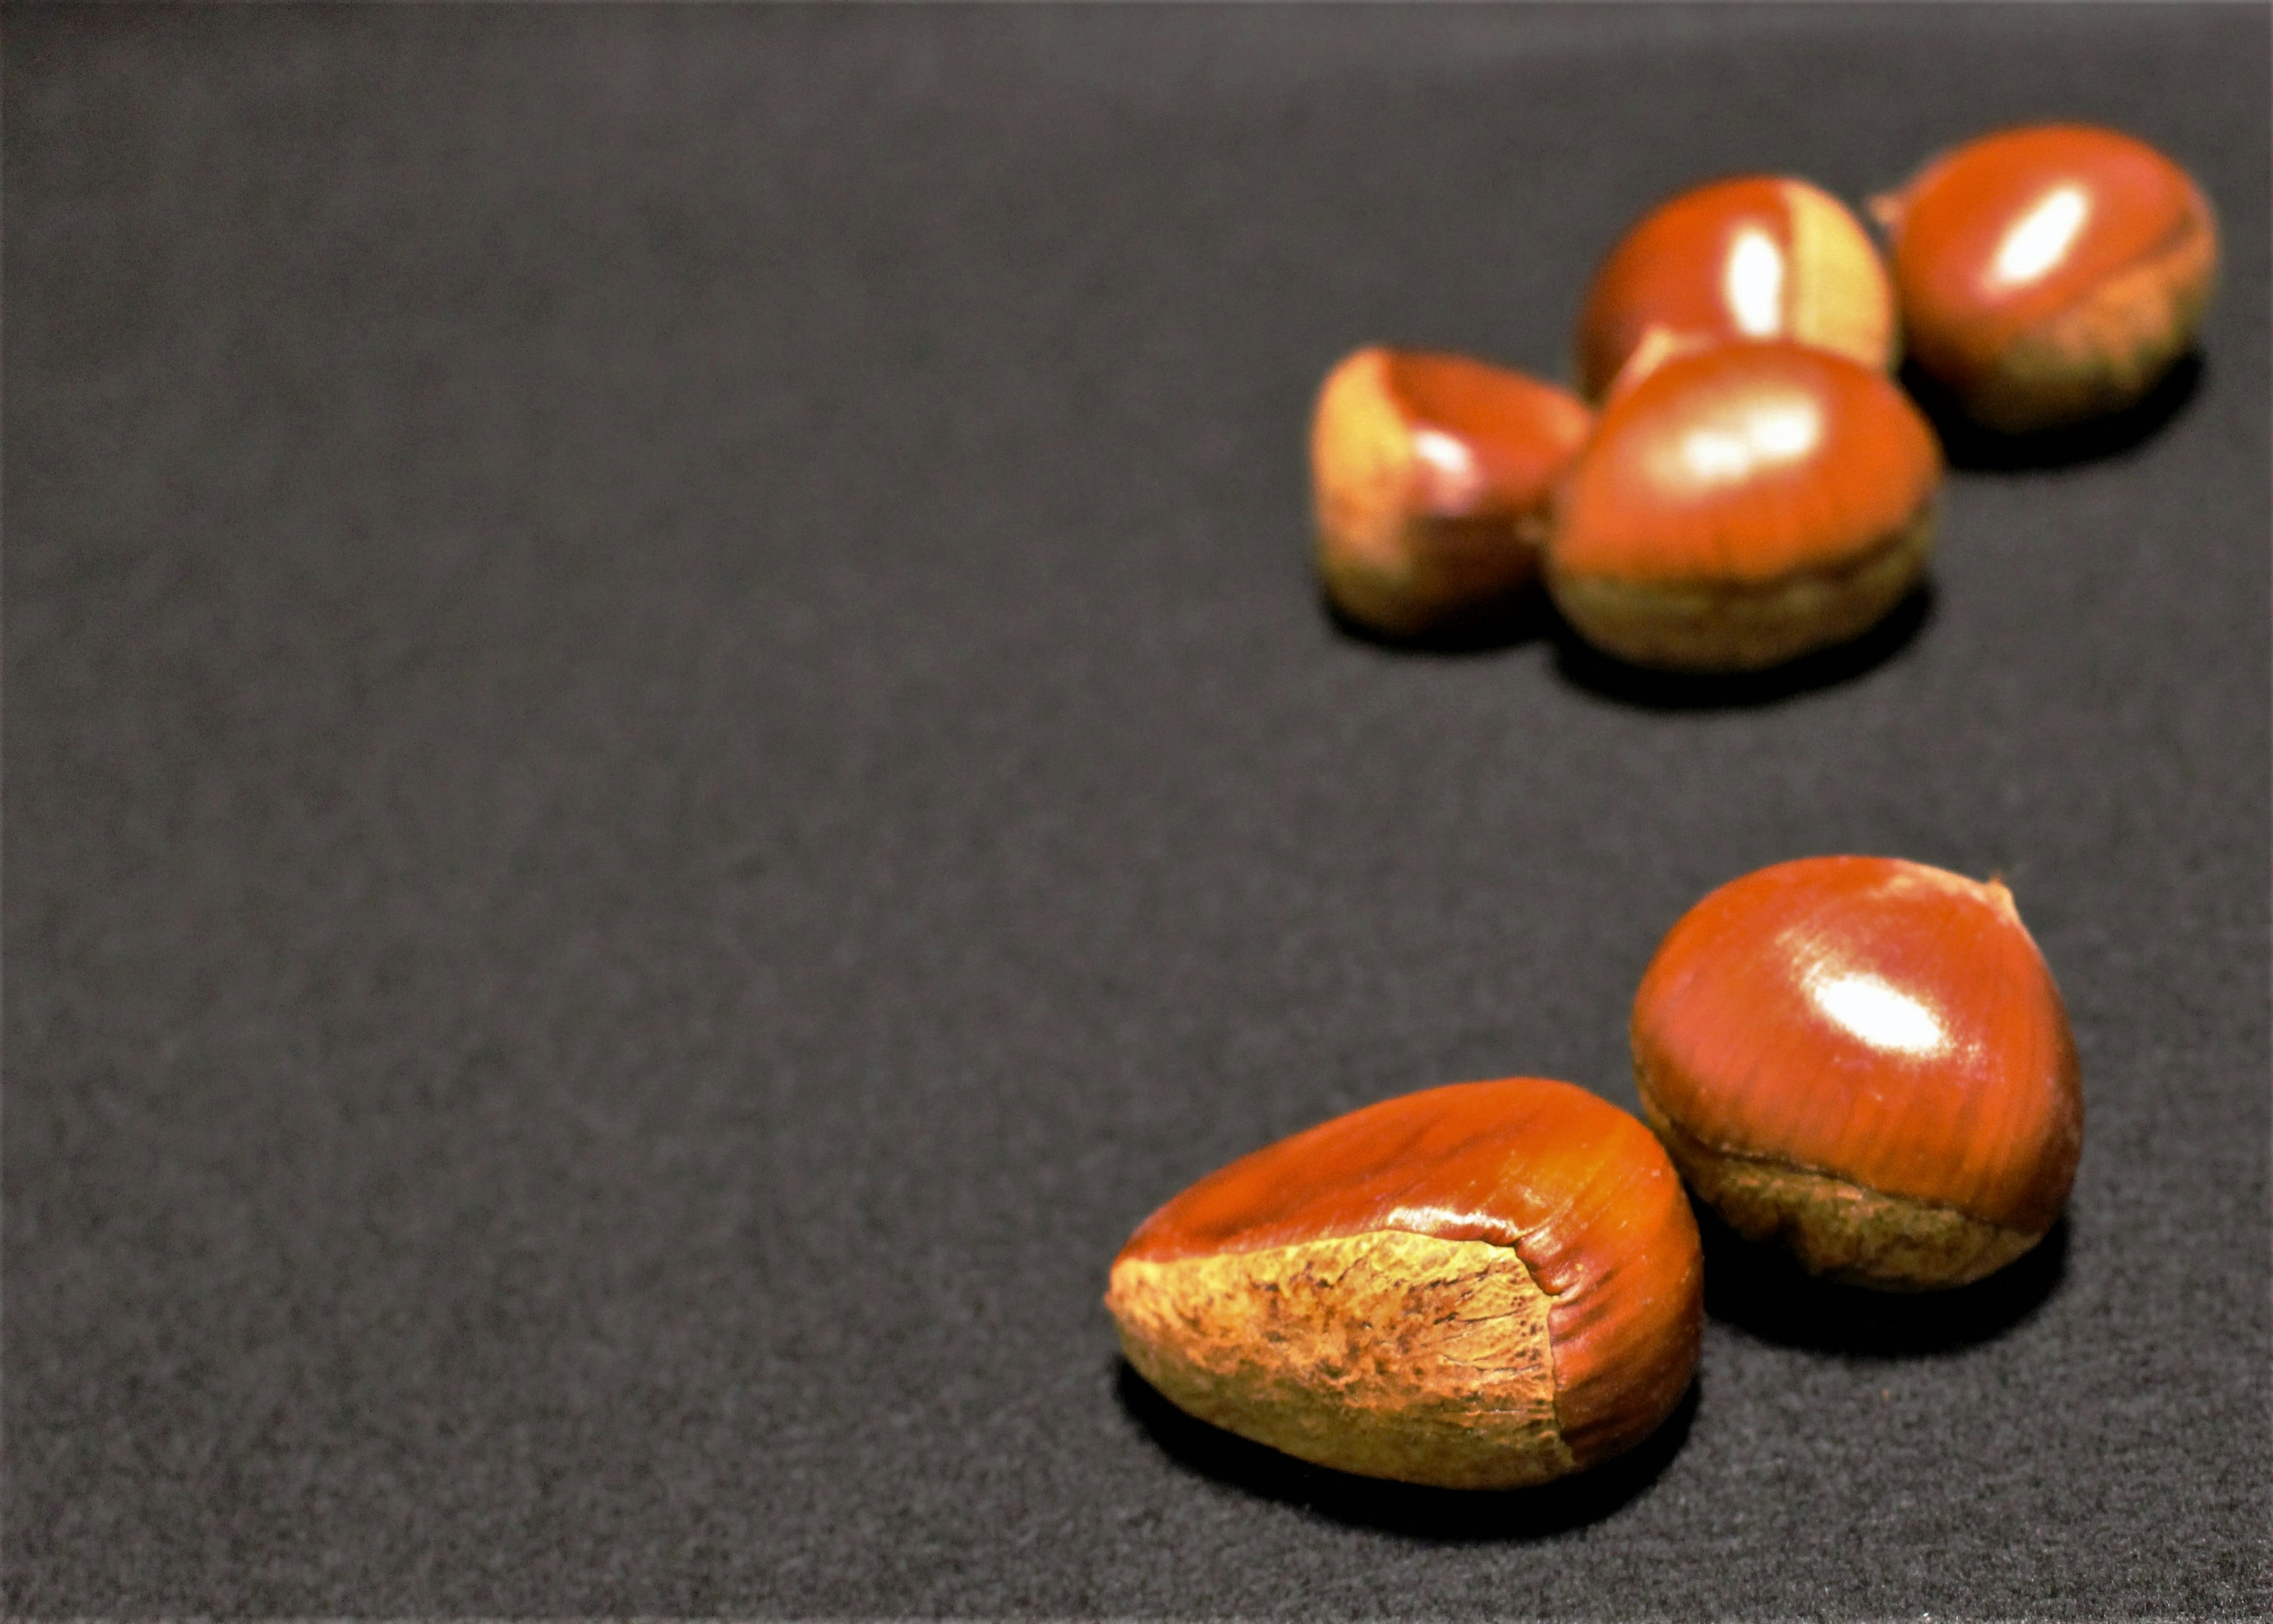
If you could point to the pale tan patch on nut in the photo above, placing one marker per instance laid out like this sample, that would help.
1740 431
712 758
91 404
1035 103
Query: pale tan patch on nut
1841 298
1659 344
1361 460
1388 1354
1835 1228
1744 625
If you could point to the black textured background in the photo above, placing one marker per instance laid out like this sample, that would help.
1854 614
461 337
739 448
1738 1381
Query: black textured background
669 750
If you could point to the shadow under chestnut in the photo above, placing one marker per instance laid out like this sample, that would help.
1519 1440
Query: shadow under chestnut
1586 667
1530 618
1971 448
1507 622
1447 1516
1760 1290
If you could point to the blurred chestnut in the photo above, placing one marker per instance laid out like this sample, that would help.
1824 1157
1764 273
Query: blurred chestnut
1759 257
1867 1059
2050 274
1432 475
1478 1286
1742 505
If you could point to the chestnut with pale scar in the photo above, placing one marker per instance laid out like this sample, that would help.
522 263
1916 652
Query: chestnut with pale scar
1756 256
1432 475
1484 1285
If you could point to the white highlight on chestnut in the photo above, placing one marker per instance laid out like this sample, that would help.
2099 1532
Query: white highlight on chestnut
1451 464
2040 238
1878 1013
1760 434
1753 284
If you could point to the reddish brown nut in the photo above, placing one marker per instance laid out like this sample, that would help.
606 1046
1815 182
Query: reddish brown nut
1479 1286
1432 476
2050 274
1743 505
1867 1059
1760 257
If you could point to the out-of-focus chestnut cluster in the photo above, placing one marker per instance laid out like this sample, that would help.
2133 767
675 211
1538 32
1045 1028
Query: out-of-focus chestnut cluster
1739 481
1493 1284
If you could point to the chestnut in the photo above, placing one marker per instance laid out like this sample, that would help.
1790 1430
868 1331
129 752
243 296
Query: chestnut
2050 273
1484 1285
1757 256
1867 1059
1742 505
1432 475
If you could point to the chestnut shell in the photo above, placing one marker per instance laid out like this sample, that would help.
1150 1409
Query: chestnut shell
1755 257
1879 1028
1578 1190
1743 505
1432 476
2050 274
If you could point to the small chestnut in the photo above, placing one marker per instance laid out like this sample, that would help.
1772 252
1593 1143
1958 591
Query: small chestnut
1432 475
2050 273
1757 257
1478 1286
1742 505
1866 1058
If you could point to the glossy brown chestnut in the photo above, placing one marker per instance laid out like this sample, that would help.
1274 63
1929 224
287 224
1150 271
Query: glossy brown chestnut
2050 274
1759 257
1868 1059
1742 505
1432 475
1478 1286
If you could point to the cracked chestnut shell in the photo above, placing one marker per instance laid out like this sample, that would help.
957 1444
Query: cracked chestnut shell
1743 505
1484 1285
2050 274
1866 1059
1755 257
1432 476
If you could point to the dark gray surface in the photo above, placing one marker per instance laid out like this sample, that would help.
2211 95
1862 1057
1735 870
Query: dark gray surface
669 752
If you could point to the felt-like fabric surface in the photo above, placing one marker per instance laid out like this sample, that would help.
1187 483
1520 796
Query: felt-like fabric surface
670 751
